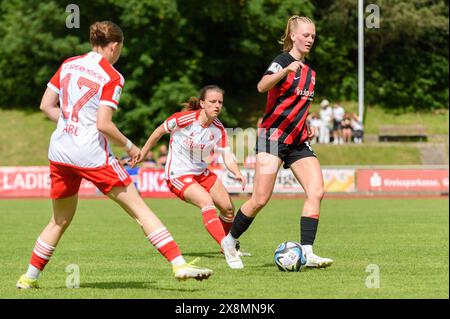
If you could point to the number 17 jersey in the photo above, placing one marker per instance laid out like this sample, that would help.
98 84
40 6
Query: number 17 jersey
83 83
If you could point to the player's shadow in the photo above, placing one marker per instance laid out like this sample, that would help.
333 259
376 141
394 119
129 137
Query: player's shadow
207 254
118 285
132 285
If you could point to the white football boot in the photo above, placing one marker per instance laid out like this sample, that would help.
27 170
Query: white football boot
240 252
232 257
314 261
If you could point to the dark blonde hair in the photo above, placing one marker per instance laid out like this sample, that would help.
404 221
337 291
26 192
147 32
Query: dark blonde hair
292 23
104 32
194 102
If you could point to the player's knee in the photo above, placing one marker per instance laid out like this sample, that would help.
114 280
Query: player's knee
228 211
62 223
316 193
261 201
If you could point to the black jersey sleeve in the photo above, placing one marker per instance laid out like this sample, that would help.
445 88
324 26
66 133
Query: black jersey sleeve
280 62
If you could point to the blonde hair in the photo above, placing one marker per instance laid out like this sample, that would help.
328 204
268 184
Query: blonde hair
292 23
102 33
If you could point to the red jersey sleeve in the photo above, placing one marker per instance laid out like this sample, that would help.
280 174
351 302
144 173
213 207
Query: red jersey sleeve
222 143
54 83
111 92
179 120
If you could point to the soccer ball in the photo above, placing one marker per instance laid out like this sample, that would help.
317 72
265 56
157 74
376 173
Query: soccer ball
289 256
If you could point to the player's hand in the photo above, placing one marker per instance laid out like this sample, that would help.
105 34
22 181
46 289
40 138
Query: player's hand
294 66
311 132
134 152
241 180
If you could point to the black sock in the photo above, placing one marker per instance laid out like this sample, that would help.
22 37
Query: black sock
240 224
308 230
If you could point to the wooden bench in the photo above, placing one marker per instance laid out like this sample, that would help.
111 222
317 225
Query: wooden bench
402 133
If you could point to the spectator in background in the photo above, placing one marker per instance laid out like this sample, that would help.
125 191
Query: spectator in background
326 117
358 129
338 117
346 127
149 161
316 123
162 158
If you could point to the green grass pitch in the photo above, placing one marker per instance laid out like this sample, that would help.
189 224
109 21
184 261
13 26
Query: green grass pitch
407 239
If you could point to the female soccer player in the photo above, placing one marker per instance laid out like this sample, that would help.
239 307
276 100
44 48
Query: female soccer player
194 133
88 89
283 137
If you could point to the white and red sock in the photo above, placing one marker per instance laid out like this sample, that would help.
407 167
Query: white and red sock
227 222
39 258
212 223
163 241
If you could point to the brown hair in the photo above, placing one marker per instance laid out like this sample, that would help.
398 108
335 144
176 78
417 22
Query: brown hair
104 32
194 102
293 21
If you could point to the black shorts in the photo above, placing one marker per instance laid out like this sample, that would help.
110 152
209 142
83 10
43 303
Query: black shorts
288 153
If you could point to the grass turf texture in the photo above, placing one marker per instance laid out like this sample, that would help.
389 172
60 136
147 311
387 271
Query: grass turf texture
407 238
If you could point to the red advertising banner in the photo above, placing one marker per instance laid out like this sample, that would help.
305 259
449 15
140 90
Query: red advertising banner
399 180
33 181
152 183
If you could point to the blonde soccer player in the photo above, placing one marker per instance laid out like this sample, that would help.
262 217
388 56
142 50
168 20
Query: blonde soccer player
88 89
284 135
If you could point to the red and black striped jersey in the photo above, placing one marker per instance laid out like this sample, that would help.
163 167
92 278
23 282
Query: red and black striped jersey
288 102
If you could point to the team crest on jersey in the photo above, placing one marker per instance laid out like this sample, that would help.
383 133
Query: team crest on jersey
313 80
171 124
117 93
187 180
211 137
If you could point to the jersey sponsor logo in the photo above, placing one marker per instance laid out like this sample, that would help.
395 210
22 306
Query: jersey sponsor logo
172 124
275 67
117 93
306 93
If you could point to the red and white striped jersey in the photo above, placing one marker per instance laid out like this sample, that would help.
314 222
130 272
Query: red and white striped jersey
83 83
191 143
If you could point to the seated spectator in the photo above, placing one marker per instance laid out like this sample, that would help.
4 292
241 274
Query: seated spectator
315 122
358 129
346 127
149 161
162 158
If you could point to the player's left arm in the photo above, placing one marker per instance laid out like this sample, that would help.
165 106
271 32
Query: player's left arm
49 105
230 163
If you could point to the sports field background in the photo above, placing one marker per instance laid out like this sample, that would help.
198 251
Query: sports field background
408 239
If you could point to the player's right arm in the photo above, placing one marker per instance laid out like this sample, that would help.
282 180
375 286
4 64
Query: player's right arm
49 105
276 72
151 142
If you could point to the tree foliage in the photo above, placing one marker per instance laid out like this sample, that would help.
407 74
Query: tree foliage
173 48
